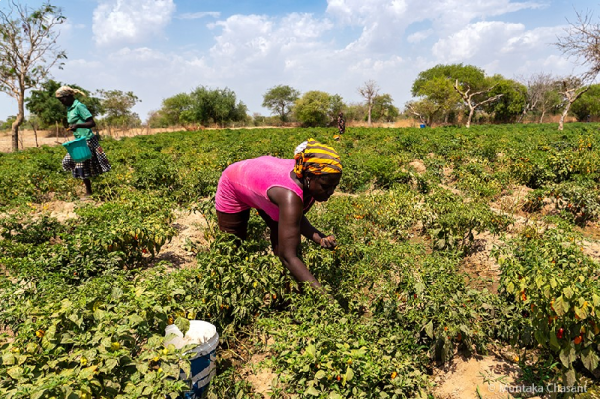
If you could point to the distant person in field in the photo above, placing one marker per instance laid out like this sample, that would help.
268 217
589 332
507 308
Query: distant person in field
81 123
282 190
341 123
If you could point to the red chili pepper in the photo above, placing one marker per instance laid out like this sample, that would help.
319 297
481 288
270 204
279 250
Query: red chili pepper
560 333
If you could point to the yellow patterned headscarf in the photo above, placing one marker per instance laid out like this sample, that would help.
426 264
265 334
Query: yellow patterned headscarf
316 158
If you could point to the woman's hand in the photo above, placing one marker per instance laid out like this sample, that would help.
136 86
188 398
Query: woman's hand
72 128
329 242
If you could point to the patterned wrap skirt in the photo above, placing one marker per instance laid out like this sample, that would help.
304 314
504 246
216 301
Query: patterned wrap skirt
92 167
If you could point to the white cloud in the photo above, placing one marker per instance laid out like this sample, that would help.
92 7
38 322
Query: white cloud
130 21
532 39
481 36
418 37
198 15
245 41
483 43
384 21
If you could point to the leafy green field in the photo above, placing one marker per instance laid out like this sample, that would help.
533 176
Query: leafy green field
84 305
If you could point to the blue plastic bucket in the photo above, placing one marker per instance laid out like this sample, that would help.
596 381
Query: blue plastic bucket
203 369
78 150
422 126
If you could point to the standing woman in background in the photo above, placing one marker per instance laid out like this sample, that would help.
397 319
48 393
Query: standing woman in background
81 122
341 123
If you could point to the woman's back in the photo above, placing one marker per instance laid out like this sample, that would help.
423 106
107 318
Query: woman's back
244 184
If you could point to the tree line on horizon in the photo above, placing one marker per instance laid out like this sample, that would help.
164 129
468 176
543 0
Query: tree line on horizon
439 99
444 94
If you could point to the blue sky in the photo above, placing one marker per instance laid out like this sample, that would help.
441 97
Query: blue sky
158 48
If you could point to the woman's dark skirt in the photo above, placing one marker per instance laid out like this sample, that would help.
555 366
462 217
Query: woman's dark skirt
92 167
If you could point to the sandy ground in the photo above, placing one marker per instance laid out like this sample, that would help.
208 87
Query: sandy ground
477 377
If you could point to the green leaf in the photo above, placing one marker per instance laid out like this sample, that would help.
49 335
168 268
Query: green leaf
111 363
590 359
142 367
429 329
349 374
135 319
561 307
582 313
568 356
8 359
569 378
38 394
539 281
47 344
320 374
186 367
87 373
568 292
15 372
312 391
554 341
540 337
116 293
510 288
311 350
98 314
76 319
596 300
419 287
183 324
335 395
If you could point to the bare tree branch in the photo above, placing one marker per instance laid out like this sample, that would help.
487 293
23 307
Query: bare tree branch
469 102
571 88
27 37
583 42
369 91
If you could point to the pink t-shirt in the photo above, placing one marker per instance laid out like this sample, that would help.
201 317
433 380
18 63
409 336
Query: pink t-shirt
244 185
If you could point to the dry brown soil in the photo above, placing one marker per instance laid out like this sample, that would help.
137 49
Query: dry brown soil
477 377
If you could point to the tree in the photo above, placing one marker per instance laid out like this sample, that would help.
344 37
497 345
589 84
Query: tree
355 112
541 94
510 105
28 51
583 42
368 91
44 104
437 86
423 109
336 105
383 108
571 88
474 99
312 109
201 107
280 99
588 105
217 106
177 110
117 106
8 123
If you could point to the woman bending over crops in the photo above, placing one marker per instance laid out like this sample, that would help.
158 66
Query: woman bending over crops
81 123
282 190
